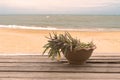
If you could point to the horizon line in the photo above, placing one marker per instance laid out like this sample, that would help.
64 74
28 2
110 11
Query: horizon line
68 14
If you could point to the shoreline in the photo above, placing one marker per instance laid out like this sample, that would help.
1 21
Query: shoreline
58 29
31 41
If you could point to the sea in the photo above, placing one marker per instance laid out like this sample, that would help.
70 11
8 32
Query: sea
62 22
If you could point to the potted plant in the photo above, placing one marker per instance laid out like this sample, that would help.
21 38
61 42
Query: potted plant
75 51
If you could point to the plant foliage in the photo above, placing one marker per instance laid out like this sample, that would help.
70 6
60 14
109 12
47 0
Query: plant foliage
64 43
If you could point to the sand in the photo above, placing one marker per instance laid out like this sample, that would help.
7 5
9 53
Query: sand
21 41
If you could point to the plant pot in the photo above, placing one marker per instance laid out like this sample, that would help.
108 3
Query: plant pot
78 57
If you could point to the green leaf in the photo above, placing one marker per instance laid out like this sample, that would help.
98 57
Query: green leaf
50 35
58 56
46 49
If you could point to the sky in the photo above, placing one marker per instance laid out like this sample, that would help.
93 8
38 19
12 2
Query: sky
83 7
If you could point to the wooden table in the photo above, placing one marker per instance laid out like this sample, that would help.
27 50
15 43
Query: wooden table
37 67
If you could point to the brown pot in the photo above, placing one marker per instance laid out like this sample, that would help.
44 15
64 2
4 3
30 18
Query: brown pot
78 57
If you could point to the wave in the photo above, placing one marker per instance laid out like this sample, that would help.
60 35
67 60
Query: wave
55 28
27 27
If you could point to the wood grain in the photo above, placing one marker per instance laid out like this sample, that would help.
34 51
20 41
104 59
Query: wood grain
38 67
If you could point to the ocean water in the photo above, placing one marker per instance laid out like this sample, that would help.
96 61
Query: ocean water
54 22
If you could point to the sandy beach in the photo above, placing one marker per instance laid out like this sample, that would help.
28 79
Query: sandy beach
20 41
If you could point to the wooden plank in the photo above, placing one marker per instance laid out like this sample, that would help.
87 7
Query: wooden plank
36 58
69 69
105 57
41 75
48 60
106 54
50 64
103 61
23 56
25 60
45 56
50 79
58 67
